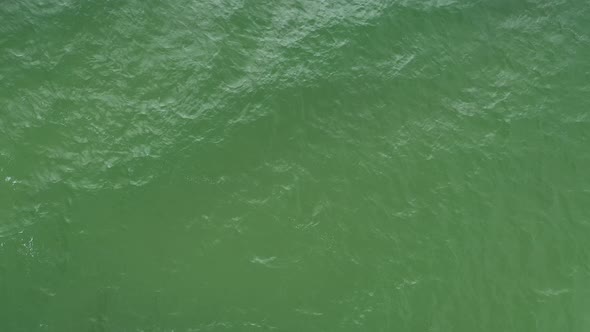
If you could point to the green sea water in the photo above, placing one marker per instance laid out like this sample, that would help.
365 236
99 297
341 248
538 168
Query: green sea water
304 165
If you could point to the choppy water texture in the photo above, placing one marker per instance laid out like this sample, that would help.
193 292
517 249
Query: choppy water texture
301 165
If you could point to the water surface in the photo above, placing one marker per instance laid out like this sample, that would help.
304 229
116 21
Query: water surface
294 165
